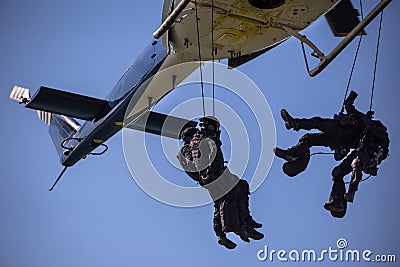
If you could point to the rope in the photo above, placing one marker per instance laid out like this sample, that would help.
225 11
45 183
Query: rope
362 180
376 61
201 69
355 59
321 153
213 56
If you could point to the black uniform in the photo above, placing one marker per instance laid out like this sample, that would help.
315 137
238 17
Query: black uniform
237 189
203 161
372 149
341 134
195 157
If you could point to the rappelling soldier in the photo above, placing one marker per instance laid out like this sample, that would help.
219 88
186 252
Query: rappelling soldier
372 149
210 129
197 168
341 134
230 208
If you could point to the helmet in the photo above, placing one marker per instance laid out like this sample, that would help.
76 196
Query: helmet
209 123
188 132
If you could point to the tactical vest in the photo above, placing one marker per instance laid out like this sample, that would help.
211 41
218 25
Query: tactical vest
376 139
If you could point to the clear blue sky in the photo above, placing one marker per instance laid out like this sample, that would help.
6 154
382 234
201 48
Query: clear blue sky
98 216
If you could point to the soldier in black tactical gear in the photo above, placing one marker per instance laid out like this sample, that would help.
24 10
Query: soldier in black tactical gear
230 206
210 128
372 149
197 168
341 134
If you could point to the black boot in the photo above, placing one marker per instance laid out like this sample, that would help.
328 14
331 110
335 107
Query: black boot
340 214
289 121
254 234
224 241
349 196
286 154
242 233
251 223
335 203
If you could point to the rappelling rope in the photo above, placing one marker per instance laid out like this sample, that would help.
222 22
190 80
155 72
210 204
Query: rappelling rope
213 56
375 64
201 69
362 180
355 59
322 153
376 61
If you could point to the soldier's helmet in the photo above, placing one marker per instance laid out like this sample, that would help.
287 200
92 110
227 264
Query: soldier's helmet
188 132
209 123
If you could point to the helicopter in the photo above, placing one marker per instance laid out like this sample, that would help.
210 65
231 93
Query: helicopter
191 31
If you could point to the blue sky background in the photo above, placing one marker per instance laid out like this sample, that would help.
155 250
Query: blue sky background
98 216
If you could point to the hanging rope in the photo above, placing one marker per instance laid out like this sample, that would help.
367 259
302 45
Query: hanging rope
362 180
376 61
351 72
213 56
355 59
201 69
322 153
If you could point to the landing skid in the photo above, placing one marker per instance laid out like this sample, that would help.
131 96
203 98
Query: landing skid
326 60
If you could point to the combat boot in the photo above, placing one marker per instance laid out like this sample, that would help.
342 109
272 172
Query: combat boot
242 233
254 234
224 241
286 154
349 196
335 204
251 223
290 122
340 214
